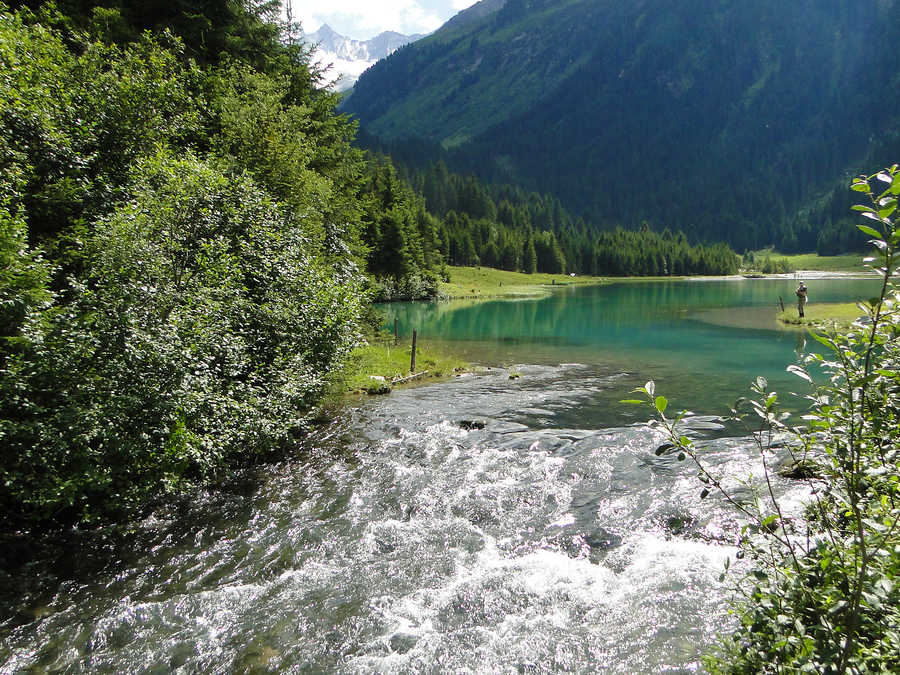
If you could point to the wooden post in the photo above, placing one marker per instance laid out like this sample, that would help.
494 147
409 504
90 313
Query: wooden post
781 302
412 361
396 330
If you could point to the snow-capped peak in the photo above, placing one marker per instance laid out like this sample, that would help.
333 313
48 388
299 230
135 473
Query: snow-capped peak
347 57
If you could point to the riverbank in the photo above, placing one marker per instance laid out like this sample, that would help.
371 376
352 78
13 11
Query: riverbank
835 315
382 364
850 262
819 317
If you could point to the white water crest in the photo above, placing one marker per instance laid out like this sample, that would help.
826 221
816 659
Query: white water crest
422 541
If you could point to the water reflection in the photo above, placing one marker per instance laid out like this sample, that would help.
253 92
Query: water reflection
704 341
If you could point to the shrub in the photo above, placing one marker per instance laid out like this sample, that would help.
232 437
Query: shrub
823 595
198 337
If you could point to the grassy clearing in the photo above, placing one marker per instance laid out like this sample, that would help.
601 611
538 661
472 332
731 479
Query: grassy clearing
485 282
813 261
372 368
837 315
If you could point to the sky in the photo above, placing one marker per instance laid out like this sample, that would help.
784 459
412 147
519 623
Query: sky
364 19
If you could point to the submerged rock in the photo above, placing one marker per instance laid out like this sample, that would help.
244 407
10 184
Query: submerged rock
376 388
801 469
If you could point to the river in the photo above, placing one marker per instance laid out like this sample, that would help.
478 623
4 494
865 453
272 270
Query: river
485 524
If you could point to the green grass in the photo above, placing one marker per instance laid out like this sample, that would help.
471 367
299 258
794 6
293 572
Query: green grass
851 262
837 315
383 359
485 282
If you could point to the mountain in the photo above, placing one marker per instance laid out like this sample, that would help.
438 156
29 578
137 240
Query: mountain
347 57
471 14
729 120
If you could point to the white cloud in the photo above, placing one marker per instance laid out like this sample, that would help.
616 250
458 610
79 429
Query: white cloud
362 19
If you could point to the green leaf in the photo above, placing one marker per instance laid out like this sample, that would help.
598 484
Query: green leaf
799 372
860 186
632 401
871 231
661 404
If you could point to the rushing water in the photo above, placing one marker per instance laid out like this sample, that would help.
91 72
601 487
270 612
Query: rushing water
410 539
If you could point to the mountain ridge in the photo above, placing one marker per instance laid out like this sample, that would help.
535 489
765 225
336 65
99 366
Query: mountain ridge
754 109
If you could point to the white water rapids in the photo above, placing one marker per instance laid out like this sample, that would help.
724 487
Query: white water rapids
413 544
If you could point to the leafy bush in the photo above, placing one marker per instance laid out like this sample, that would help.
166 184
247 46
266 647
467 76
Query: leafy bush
24 277
74 124
198 337
410 287
823 594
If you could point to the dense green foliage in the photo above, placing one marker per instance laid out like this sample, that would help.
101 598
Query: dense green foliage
461 221
181 251
823 594
761 110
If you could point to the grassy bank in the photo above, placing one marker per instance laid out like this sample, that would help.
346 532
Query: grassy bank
821 316
375 368
851 262
485 282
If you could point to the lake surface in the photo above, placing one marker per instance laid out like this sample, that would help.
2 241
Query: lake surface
670 332
547 537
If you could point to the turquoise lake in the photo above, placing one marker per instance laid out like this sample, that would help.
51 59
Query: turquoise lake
702 341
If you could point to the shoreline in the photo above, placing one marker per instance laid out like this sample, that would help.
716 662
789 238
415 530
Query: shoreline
781 276
484 283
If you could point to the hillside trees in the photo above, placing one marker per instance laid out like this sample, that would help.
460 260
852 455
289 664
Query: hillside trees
752 89
401 238
512 229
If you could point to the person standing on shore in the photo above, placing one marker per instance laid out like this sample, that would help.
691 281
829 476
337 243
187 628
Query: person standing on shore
801 298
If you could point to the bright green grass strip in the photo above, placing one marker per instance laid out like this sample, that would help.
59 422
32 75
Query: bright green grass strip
386 360
813 261
837 315
485 282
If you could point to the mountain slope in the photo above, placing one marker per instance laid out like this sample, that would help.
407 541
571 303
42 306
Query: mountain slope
718 117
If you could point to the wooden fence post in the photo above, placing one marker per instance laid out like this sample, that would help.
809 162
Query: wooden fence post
396 330
412 362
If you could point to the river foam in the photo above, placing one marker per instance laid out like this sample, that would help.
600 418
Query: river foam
464 527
